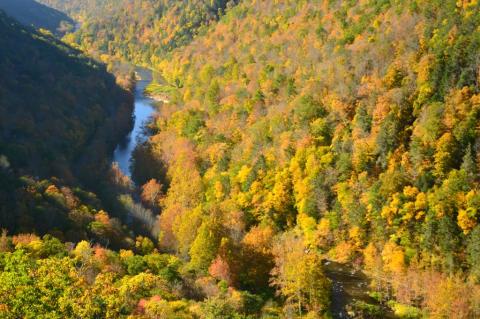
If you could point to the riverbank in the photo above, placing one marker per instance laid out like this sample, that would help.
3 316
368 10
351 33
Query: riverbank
159 97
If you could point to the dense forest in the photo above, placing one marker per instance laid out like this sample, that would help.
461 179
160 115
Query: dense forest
139 31
295 134
62 114
350 126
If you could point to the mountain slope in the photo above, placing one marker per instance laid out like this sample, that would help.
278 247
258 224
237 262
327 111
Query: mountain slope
139 31
349 124
32 13
55 97
296 133
62 115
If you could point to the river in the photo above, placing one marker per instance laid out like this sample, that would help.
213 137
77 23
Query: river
350 287
144 108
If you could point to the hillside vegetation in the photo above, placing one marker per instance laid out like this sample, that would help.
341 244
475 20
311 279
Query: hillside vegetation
62 115
32 13
297 132
349 125
57 101
139 31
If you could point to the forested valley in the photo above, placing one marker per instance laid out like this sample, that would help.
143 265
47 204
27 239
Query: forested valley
306 159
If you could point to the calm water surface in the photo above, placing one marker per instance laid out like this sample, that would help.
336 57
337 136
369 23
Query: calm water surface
348 286
143 110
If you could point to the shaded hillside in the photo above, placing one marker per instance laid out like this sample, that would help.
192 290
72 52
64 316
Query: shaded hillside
56 100
62 115
32 13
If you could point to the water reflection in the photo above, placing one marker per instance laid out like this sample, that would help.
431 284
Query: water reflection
143 110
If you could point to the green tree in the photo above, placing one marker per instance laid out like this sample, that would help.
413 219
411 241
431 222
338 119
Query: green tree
444 155
205 246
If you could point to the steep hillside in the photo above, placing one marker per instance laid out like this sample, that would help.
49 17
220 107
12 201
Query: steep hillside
56 100
138 31
349 124
62 115
32 13
299 138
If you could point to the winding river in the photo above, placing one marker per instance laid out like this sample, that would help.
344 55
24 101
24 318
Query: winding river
144 107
